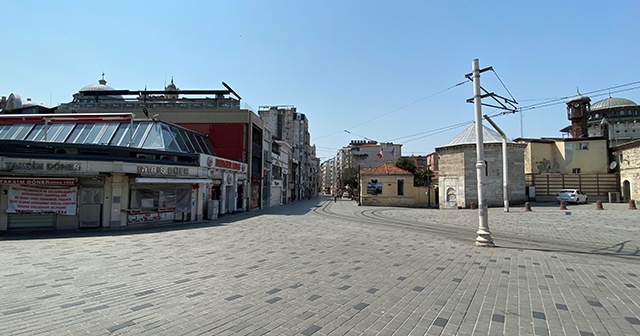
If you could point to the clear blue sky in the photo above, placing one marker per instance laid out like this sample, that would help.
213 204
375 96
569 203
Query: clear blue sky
379 69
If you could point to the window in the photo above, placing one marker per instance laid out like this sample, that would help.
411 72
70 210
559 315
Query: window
582 146
400 187
575 171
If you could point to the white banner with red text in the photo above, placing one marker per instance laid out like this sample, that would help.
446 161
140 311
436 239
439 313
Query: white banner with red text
26 199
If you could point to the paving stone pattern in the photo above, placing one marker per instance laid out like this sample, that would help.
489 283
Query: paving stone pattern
317 268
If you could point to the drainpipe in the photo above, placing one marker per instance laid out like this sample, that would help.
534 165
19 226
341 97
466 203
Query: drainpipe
505 166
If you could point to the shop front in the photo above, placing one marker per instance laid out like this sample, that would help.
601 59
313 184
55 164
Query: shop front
227 184
38 202
164 193
50 194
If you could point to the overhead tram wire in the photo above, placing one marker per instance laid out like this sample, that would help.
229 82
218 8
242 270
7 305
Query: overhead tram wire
422 135
501 82
363 137
431 132
556 101
395 110
550 102
442 130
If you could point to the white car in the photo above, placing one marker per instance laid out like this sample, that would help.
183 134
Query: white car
572 196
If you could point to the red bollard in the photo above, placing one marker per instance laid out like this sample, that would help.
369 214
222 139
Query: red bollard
527 206
472 205
632 205
563 205
599 205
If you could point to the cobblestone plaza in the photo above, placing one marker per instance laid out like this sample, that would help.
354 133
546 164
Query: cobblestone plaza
322 268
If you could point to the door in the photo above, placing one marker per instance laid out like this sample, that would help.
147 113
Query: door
230 199
626 190
90 210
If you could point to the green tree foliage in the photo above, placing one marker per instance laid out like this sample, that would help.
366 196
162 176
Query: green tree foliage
421 178
350 178
406 164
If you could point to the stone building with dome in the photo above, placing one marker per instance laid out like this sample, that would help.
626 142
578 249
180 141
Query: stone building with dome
457 180
616 119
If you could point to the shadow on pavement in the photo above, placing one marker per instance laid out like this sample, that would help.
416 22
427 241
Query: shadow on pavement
298 208
616 251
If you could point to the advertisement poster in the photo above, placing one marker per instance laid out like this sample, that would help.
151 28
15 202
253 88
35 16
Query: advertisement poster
26 199
374 187
151 216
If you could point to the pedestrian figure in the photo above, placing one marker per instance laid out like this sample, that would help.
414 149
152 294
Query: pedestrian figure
335 198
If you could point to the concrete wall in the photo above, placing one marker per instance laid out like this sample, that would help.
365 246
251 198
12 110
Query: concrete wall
593 160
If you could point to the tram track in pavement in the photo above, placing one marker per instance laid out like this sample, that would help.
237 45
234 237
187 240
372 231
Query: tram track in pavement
505 239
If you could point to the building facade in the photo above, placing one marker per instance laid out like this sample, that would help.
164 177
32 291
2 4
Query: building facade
72 171
613 118
292 127
628 156
388 185
234 132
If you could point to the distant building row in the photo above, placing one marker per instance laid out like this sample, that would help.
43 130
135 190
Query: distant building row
600 155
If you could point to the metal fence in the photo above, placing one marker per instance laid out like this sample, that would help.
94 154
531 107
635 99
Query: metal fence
591 184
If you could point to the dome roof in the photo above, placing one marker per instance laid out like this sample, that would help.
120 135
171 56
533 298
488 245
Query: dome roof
97 87
101 86
612 102
578 98
468 136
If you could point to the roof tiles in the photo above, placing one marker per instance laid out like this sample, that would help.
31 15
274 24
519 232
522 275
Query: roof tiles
387 168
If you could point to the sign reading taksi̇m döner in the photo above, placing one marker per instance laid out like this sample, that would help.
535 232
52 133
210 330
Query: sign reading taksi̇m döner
34 165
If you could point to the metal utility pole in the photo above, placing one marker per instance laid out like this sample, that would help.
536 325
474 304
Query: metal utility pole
484 235
505 165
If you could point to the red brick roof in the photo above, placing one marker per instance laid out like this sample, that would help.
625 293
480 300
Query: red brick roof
387 168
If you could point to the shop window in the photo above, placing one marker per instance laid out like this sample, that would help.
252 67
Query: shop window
575 171
151 197
582 146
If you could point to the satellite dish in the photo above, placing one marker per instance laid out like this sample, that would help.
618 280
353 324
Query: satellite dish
613 165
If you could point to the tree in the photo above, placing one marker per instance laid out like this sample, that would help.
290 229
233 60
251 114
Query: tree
406 164
350 178
421 178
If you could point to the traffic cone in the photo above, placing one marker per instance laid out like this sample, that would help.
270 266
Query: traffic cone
527 206
632 205
599 205
472 205
563 205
